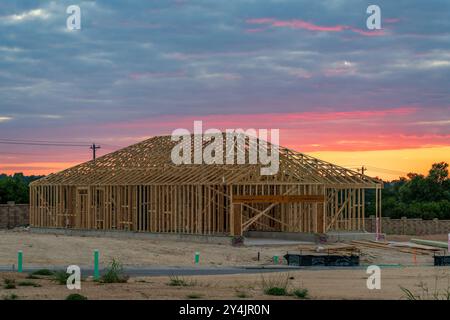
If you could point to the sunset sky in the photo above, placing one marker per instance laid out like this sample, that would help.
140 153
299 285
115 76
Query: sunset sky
312 69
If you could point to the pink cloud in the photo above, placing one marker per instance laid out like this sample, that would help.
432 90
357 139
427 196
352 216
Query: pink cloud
300 24
358 130
266 120
295 24
366 129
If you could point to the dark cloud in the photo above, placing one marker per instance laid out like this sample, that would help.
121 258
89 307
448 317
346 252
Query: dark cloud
138 59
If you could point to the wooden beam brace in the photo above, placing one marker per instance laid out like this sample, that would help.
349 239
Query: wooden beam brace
277 198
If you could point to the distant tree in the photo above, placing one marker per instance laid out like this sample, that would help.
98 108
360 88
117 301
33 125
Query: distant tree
418 196
438 172
15 188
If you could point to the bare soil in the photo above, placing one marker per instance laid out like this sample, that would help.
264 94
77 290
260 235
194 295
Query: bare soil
57 250
321 284
398 269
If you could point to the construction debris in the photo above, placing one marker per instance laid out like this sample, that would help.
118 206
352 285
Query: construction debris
338 248
356 246
405 247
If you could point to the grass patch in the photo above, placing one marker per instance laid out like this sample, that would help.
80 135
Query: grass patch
28 284
424 292
276 291
9 284
33 277
61 277
76 296
242 295
275 285
114 273
177 281
11 296
194 296
43 272
301 293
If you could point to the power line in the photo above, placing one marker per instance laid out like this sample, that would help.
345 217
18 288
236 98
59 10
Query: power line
387 170
30 156
39 141
52 143
44 144
376 169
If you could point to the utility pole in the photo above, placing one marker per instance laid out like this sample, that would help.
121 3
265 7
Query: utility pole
94 148
363 169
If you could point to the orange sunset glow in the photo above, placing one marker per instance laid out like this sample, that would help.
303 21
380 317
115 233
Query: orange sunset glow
386 164
383 144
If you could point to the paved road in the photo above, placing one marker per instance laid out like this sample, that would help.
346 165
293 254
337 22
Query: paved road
197 271
167 271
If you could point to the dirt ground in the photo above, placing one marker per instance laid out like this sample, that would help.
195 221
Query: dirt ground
398 269
57 250
321 284
46 249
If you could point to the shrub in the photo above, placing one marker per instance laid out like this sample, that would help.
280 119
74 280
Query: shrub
11 296
301 293
9 284
43 272
194 296
177 281
276 291
242 295
275 285
61 277
76 296
114 273
28 284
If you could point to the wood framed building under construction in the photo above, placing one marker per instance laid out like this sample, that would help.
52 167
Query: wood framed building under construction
140 189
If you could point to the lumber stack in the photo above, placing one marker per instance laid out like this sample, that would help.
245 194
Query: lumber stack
339 248
404 247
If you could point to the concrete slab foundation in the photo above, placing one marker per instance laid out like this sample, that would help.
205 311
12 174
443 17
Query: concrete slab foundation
349 236
135 235
252 238
255 242
330 237
291 236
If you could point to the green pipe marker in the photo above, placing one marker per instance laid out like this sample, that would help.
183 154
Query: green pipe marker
96 269
275 259
197 257
19 261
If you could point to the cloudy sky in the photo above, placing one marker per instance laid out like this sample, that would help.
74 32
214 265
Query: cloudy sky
312 69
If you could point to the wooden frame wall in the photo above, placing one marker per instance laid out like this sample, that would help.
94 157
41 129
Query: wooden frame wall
200 209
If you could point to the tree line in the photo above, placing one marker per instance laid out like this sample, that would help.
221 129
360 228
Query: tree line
416 195
15 187
413 196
